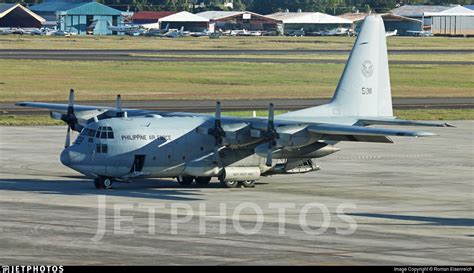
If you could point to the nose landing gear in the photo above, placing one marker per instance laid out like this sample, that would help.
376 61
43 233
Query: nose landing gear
103 182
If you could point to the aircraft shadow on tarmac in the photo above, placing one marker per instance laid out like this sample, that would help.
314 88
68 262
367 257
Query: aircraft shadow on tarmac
141 188
434 221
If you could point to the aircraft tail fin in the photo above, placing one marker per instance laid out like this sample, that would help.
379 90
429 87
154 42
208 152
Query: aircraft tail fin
364 87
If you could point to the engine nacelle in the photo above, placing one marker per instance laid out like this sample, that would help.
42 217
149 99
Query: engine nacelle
315 150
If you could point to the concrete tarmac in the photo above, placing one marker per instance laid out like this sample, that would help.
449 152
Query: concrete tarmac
412 203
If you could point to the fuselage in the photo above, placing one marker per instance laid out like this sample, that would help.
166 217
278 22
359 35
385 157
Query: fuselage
154 146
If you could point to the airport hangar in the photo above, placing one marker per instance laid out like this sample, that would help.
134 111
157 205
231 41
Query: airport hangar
79 16
309 21
15 15
149 19
186 20
391 21
441 20
231 20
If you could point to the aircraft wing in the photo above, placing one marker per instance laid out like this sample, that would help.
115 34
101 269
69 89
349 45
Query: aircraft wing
60 107
359 133
325 131
388 121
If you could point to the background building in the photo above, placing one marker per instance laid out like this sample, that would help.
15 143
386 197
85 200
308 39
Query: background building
232 20
15 15
452 23
391 22
190 22
422 12
80 17
309 21
149 19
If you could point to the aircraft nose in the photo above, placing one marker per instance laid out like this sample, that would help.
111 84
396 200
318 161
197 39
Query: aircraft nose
70 157
65 158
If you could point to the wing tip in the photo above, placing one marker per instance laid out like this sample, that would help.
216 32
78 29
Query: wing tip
425 134
447 124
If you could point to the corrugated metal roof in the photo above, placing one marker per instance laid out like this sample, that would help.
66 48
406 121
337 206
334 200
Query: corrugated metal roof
54 6
151 15
7 8
418 10
4 7
214 15
183 16
219 15
355 17
74 8
93 8
308 18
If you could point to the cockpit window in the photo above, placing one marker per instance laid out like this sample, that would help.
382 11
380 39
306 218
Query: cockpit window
79 140
104 132
91 133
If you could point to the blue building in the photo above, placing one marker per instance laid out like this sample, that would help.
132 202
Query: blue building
79 16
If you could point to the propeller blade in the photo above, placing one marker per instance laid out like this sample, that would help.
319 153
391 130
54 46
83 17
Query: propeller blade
271 116
68 137
218 111
119 103
269 154
70 109
216 153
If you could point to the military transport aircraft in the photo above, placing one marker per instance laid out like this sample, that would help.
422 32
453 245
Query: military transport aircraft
117 144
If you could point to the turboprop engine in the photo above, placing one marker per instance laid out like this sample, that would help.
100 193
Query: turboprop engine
315 150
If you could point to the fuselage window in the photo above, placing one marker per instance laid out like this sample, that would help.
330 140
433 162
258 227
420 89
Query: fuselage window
103 135
101 148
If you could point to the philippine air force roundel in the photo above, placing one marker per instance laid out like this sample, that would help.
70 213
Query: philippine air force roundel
367 68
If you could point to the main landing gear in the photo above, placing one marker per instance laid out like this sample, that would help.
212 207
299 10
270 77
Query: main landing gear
103 182
204 181
188 180
234 184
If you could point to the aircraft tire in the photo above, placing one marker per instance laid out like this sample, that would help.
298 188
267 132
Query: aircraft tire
248 183
97 183
107 183
229 184
103 183
203 180
185 180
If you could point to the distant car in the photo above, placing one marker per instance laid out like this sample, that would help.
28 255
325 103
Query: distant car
18 31
296 33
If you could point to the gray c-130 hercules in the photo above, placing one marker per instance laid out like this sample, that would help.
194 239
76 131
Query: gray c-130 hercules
117 144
